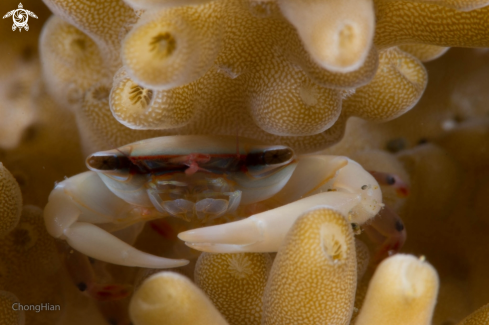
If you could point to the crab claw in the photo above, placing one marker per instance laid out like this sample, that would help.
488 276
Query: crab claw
264 232
68 218
388 231
99 244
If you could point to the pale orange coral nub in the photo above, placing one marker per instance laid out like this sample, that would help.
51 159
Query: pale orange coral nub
337 33
173 299
313 278
173 47
402 291
10 201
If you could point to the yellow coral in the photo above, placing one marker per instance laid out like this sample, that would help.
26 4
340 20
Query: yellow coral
91 18
9 312
235 283
396 88
480 317
11 201
317 260
174 299
403 22
424 52
337 33
65 49
29 265
403 291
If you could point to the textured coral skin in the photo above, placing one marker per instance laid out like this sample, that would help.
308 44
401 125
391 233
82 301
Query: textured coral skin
256 77
400 22
318 260
174 298
440 221
235 283
11 201
10 316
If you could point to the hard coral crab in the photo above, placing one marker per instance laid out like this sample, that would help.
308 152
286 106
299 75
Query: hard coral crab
205 177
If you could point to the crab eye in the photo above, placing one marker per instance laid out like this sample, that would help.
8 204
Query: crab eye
107 162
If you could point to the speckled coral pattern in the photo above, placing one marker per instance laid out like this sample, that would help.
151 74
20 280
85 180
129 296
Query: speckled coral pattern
173 47
100 130
235 283
29 265
10 201
105 21
402 22
313 278
479 317
424 52
397 86
8 315
138 107
65 49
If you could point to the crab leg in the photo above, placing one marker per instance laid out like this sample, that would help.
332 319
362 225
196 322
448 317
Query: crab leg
81 200
388 231
402 189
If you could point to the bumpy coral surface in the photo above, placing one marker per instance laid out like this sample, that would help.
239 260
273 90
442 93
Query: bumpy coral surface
285 72
231 67
11 201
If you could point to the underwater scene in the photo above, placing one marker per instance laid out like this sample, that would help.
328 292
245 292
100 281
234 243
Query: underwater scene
244 162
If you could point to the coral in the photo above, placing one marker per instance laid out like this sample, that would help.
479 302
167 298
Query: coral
174 298
400 22
479 317
424 52
235 283
260 73
253 76
91 16
64 49
337 34
10 316
318 260
11 201
403 291
30 267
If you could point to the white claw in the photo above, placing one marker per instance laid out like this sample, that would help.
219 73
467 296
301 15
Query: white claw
99 244
264 232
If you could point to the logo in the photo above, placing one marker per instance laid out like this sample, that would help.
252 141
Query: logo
20 17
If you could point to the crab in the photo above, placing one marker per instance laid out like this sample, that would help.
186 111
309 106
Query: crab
101 212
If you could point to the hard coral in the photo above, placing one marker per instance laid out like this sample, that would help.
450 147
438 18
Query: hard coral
29 266
11 201
253 76
8 314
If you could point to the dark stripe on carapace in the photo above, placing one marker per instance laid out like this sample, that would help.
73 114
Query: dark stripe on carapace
269 157
109 162
234 163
